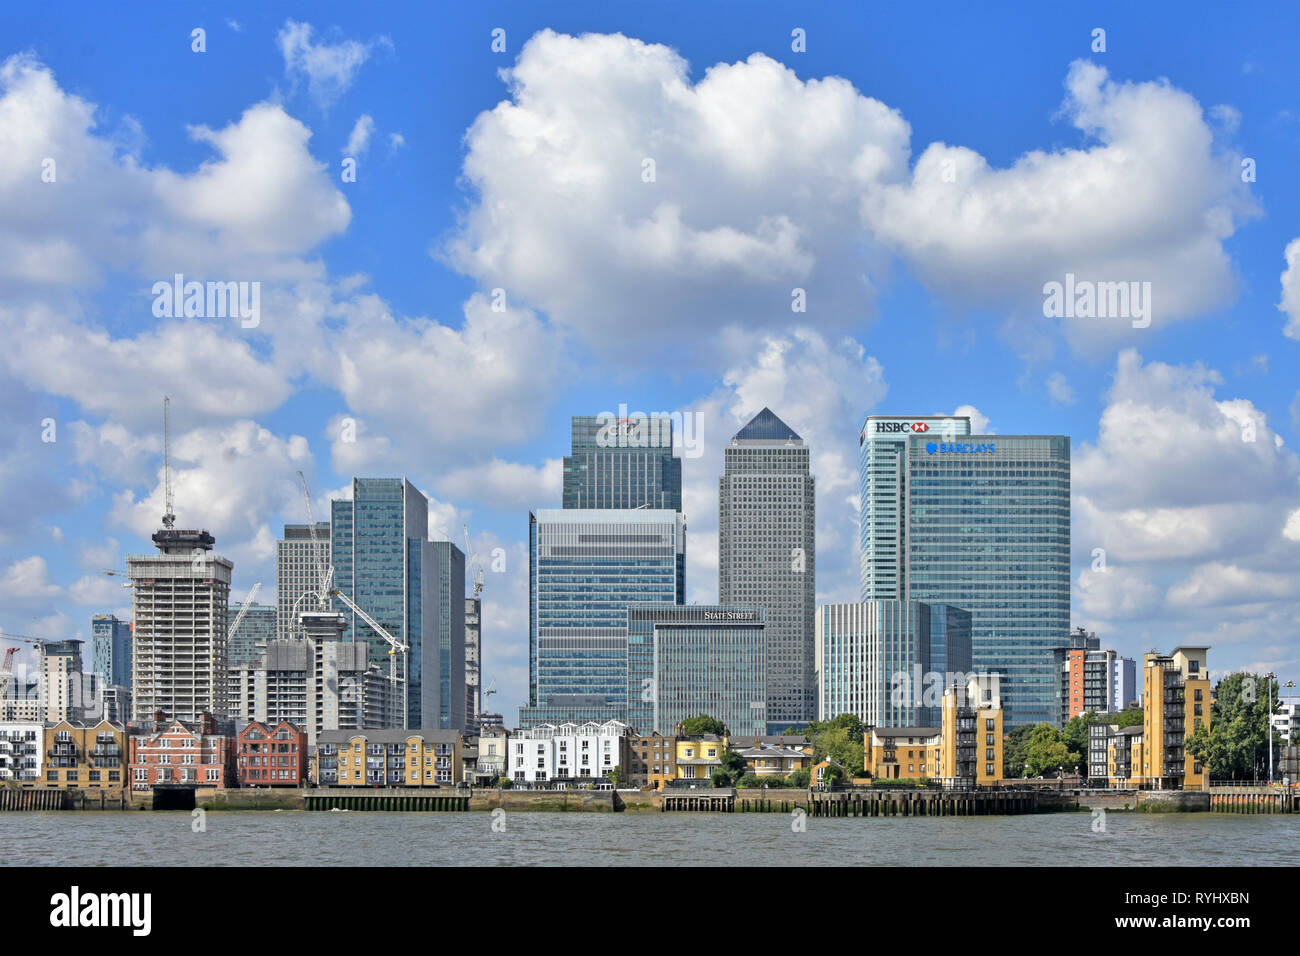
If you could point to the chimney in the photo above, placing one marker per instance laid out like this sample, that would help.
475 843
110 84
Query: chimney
159 721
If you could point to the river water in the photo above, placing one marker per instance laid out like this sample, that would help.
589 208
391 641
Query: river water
273 838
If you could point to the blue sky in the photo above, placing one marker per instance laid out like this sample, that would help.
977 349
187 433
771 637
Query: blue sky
522 170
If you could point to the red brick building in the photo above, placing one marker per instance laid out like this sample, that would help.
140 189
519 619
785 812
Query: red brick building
184 752
272 756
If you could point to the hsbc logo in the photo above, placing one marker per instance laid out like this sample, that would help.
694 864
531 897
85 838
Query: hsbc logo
917 427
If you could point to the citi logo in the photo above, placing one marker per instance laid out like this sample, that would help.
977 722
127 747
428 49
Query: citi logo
75 909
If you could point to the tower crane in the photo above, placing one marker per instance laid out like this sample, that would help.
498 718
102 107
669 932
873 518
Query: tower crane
324 569
169 516
476 566
7 672
397 648
243 609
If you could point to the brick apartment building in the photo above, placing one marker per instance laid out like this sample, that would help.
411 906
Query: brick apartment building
272 755
183 752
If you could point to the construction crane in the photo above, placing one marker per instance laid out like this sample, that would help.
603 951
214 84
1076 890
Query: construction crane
476 566
324 569
243 609
7 672
397 648
169 517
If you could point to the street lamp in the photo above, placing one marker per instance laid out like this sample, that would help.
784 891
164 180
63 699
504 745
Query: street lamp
1268 727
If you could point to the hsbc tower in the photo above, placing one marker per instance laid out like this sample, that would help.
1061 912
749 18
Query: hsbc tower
882 471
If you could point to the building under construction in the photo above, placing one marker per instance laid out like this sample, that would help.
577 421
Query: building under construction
319 682
180 599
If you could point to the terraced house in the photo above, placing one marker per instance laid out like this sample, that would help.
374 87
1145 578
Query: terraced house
388 758
85 756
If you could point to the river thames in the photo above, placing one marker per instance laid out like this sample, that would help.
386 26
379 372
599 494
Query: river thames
292 838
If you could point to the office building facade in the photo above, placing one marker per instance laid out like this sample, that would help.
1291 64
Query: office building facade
684 661
888 662
447 606
585 567
983 524
767 555
622 463
299 556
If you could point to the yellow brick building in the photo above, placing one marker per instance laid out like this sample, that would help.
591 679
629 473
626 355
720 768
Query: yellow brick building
85 756
1176 700
902 753
972 732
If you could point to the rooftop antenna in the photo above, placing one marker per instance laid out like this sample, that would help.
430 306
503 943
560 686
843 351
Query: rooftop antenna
169 516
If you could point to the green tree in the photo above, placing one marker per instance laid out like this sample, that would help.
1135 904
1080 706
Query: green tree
615 776
1128 718
832 775
749 781
1075 738
1236 744
733 764
703 724
1013 752
1045 751
505 783
721 778
800 779
840 739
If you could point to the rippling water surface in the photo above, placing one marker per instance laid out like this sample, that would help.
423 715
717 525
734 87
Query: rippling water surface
270 838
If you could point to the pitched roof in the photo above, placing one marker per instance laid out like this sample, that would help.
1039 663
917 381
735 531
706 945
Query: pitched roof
765 426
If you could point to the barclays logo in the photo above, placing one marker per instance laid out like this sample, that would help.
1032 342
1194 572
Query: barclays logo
964 448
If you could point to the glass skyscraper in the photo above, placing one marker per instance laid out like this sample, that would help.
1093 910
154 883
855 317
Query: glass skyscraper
248 642
882 473
111 649
585 567
767 555
414 588
622 463
983 524
696 659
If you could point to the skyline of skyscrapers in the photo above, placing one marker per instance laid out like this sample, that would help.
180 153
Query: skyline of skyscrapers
767 555
959 522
